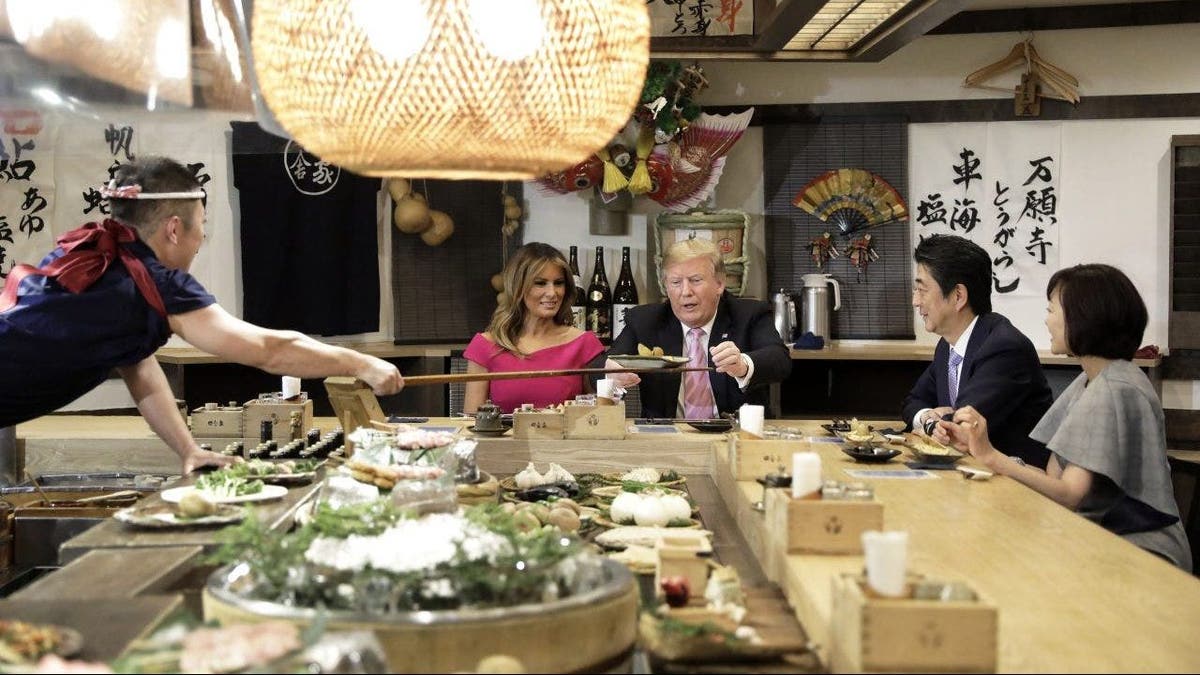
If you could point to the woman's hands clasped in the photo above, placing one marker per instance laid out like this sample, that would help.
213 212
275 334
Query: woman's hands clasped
968 431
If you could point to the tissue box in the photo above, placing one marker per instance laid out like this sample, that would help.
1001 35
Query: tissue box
750 459
872 633
820 525
594 421
537 424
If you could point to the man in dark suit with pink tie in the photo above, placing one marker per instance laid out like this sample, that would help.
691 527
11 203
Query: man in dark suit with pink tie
736 336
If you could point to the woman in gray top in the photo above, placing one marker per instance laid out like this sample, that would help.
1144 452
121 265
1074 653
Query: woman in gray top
1106 431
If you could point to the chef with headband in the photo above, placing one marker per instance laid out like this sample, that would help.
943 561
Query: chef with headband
111 294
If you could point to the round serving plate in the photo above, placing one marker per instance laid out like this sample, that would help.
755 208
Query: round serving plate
567 635
268 492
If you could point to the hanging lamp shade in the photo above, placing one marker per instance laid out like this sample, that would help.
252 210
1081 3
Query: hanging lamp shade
493 89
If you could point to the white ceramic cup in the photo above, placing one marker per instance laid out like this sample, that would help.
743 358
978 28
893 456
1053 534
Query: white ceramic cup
886 555
806 474
750 419
291 386
604 387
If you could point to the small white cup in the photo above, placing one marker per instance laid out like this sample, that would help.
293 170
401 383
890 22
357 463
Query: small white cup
291 386
604 387
806 474
886 555
750 419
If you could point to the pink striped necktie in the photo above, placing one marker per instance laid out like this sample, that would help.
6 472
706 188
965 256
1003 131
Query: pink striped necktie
698 403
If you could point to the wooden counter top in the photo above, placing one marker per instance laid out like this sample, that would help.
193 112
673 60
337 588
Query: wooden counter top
384 350
888 350
1072 596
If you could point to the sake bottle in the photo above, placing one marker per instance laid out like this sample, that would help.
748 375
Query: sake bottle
579 302
625 293
599 301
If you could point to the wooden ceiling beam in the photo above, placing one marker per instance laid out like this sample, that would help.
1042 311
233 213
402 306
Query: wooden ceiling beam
784 22
910 23
1117 15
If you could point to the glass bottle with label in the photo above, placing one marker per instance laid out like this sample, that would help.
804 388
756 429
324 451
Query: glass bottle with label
625 293
599 301
579 302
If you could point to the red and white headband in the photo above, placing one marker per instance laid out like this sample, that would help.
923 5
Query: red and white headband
112 191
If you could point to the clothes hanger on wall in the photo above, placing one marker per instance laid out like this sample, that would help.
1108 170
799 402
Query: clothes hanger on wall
1059 84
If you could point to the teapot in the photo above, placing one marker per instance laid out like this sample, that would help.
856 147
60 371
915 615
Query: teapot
817 313
785 315
487 417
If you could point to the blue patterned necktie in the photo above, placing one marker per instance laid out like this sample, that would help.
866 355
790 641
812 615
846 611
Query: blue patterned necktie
952 375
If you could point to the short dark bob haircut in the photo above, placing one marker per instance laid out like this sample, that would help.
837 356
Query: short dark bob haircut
954 260
1103 312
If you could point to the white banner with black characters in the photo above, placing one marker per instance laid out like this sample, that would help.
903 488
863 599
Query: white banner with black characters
699 18
996 184
27 186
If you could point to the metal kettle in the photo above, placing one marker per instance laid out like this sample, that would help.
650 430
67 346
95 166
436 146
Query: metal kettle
785 315
816 311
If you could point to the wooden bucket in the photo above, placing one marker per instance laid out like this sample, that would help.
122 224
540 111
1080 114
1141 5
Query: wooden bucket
572 634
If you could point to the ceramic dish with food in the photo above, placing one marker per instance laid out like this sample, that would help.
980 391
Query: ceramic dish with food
602 519
635 361
647 475
164 516
928 451
26 642
268 492
873 455
711 426
866 442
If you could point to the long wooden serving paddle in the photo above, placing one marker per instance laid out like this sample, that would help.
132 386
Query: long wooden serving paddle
420 380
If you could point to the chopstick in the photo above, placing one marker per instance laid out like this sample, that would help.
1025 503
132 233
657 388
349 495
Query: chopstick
421 380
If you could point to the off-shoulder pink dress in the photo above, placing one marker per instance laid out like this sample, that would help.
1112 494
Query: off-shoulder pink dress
540 391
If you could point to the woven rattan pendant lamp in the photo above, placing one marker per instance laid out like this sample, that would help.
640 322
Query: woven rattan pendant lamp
492 89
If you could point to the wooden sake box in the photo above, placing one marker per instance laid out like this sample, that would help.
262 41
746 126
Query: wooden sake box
831 526
284 426
218 422
750 459
871 633
605 422
680 557
537 424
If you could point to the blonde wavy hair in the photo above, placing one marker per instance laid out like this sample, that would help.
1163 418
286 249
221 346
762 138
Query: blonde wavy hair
687 249
509 318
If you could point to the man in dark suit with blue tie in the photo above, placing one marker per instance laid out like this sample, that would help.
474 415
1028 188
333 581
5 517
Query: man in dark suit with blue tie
736 336
982 360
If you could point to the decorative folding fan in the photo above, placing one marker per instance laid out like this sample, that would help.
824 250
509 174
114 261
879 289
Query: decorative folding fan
852 199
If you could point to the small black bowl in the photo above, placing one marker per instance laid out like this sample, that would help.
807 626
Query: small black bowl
543 492
868 455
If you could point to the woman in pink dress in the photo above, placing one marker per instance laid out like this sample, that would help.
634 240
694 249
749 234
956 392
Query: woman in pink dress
531 329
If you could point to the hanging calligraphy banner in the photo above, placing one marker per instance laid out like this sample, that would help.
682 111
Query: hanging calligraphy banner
26 187
700 18
997 185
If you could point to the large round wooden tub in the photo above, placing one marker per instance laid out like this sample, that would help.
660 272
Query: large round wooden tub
571 634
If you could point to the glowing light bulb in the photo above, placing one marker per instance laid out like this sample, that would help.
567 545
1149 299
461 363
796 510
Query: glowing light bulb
510 30
396 29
